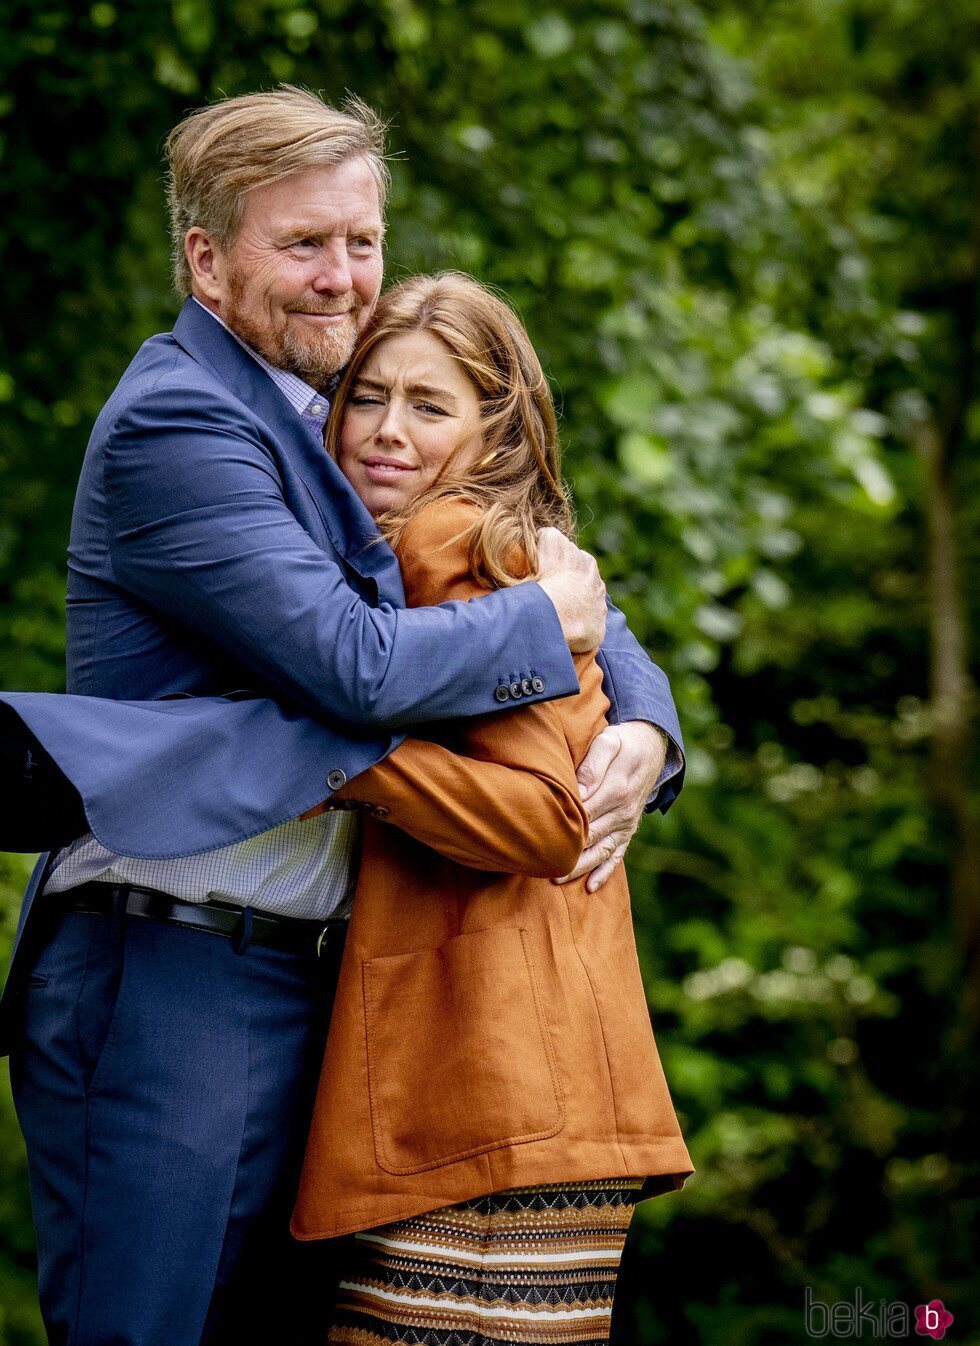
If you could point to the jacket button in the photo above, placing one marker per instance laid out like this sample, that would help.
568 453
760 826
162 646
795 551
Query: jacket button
537 684
337 779
516 690
527 687
503 692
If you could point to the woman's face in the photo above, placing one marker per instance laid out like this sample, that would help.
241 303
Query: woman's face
409 408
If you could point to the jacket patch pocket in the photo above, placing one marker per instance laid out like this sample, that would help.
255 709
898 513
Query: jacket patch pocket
460 1060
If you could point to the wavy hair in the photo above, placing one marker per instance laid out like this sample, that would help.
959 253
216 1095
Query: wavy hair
516 483
217 154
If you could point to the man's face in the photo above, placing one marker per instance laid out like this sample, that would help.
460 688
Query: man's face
303 274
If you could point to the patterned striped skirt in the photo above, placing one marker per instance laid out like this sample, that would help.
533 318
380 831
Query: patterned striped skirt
532 1265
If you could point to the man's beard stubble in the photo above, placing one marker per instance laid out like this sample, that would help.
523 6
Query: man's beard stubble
315 357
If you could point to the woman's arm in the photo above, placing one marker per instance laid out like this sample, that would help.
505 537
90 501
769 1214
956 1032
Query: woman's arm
508 800
514 817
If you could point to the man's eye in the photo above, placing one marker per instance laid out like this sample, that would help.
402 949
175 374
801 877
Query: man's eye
305 243
361 242
366 400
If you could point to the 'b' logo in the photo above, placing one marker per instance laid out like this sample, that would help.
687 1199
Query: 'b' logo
932 1319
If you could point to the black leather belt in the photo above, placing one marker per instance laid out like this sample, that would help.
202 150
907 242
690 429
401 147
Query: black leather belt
242 925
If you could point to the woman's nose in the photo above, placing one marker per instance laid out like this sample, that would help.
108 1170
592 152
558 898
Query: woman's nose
390 429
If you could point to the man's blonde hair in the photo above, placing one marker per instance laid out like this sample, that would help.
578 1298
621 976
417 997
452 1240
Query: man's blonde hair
219 152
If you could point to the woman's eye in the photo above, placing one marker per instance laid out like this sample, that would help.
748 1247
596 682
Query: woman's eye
365 400
430 409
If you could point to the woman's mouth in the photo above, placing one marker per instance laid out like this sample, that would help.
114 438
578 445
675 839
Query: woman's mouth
385 469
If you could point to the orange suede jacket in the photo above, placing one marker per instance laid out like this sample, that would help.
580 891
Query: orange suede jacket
491 1028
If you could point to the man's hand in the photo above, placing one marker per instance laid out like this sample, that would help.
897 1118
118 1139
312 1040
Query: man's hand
615 780
571 579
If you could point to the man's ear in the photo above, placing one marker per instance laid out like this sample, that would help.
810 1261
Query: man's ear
206 262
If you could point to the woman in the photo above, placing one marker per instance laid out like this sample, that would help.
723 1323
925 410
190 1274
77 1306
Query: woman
491 1104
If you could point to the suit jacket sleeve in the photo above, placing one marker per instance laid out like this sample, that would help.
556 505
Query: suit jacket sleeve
508 798
202 532
638 690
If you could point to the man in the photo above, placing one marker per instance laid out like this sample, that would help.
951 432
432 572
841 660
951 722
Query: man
168 1008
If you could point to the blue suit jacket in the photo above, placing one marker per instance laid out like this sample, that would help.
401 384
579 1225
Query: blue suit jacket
215 547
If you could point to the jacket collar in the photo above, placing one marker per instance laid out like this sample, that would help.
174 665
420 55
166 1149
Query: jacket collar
349 525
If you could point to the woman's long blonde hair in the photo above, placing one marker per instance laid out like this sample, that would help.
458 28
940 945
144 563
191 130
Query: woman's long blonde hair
516 483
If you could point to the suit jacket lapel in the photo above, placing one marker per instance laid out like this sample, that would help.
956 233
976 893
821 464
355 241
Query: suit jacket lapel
348 524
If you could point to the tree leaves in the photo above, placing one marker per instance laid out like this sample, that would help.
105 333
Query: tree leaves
742 238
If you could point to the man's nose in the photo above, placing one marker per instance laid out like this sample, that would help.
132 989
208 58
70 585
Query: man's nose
333 274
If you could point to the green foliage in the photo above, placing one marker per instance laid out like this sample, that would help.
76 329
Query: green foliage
733 233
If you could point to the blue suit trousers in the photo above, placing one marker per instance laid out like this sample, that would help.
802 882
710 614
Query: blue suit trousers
164 1084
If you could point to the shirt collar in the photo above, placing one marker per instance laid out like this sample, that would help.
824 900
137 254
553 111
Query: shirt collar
312 405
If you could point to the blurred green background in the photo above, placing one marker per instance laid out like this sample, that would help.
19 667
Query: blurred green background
746 241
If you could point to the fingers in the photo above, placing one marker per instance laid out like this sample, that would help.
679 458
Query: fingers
554 548
601 851
557 552
612 783
571 579
603 750
611 804
603 872
590 857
